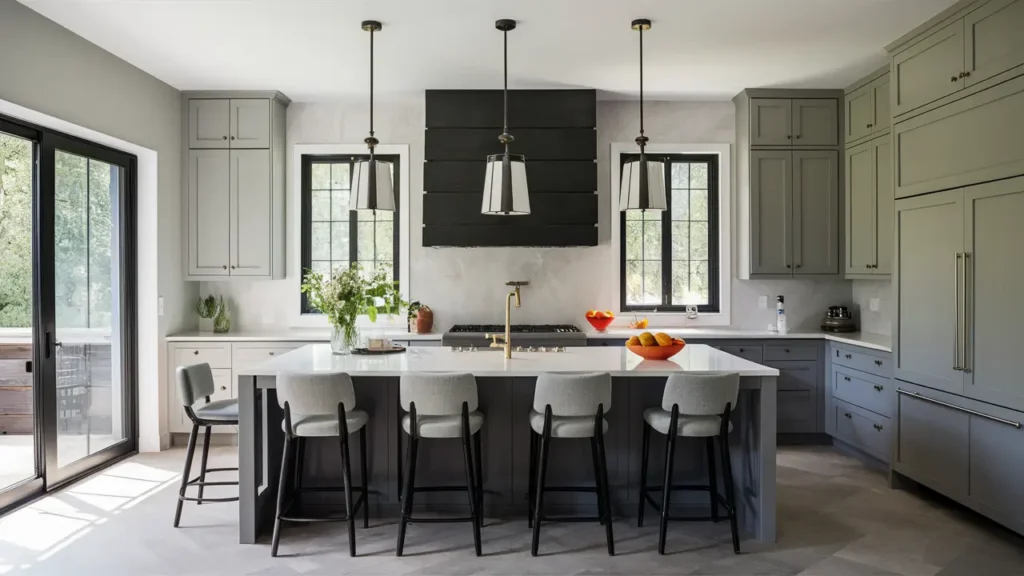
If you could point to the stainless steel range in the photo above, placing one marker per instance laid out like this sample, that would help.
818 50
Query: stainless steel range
481 336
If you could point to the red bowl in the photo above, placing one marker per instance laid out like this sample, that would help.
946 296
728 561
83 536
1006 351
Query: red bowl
656 352
600 324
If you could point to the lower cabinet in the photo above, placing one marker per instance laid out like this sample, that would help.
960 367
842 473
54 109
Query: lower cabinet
797 396
859 399
863 429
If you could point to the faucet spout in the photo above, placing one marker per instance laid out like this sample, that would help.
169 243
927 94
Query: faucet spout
508 314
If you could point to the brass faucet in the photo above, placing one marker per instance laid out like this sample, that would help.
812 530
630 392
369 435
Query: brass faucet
507 344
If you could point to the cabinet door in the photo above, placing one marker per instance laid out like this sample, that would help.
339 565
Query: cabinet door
771 122
928 70
929 234
250 123
996 468
860 113
815 122
882 116
251 227
932 445
208 212
993 39
208 125
815 212
993 313
797 396
885 206
860 209
771 193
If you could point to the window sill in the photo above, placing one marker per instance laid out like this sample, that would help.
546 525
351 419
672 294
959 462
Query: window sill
673 319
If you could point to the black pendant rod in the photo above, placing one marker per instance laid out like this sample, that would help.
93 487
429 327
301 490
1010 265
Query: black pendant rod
371 82
641 85
641 25
371 26
504 35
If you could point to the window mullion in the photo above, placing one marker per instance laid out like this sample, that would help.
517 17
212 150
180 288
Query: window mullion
353 222
666 239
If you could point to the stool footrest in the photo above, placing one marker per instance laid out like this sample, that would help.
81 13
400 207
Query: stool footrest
590 489
570 518
206 499
356 506
439 520
657 505
440 488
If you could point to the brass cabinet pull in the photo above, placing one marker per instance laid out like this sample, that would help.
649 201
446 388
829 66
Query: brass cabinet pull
879 387
959 409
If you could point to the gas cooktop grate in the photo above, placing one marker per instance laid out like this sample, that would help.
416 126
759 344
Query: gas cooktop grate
518 328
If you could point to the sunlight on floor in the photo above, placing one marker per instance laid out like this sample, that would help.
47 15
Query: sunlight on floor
39 530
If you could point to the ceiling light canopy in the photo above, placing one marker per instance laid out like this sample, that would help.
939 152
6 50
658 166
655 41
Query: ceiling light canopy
371 179
505 190
643 180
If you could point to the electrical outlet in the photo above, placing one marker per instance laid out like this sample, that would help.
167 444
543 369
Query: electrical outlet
873 304
160 306
762 302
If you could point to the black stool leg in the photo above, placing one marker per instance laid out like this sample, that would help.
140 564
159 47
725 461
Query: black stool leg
470 479
409 489
346 457
189 453
730 491
597 478
603 484
645 451
202 463
478 463
281 490
666 489
300 460
364 476
709 445
531 484
545 444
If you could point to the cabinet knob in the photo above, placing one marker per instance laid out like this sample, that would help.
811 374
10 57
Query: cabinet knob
847 378
224 137
797 136
877 427
878 362
232 267
953 79
787 350
788 266
789 136
195 352
741 350
271 353
967 74
224 267
232 137
223 387
879 387
870 125
848 415
799 265
849 356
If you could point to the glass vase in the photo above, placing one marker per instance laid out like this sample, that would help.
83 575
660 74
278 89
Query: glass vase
344 339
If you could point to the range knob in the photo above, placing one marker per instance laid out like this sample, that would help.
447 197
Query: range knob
531 349
519 348
542 349
456 349
560 349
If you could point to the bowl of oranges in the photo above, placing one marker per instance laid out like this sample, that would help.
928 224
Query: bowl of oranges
600 319
658 346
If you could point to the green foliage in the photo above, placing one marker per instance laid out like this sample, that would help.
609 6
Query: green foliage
350 293
15 232
207 307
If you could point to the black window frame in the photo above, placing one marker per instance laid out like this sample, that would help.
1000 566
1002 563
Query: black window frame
306 258
714 248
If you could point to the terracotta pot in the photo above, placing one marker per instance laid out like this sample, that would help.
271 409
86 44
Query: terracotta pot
424 320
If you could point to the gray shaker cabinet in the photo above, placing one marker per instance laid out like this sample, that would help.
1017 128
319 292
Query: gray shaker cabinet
996 468
869 208
993 42
867 109
209 124
771 194
928 70
771 122
991 280
815 122
208 209
250 123
250 212
815 230
932 445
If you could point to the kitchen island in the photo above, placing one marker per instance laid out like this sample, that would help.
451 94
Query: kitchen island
506 396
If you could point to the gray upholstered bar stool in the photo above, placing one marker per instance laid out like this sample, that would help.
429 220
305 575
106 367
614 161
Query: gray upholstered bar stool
195 382
319 406
569 406
696 406
441 405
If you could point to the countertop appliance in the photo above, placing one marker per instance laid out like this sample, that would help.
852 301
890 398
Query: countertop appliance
838 319
525 335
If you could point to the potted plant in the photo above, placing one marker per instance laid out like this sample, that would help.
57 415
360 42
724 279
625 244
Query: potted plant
213 314
348 294
421 318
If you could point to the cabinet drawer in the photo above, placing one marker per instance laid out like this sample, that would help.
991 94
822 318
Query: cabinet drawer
858 360
243 358
216 355
865 430
977 139
932 446
860 389
791 352
797 412
796 375
752 353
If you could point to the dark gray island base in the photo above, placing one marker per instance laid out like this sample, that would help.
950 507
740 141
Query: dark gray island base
506 403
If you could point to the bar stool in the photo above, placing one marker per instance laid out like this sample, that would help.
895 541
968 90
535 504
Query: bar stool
195 382
696 406
569 406
441 406
319 406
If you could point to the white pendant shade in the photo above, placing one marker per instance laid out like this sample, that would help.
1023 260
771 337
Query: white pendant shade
632 193
372 191
505 189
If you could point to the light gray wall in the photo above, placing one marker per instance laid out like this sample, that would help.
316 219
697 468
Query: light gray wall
467 284
47 68
877 322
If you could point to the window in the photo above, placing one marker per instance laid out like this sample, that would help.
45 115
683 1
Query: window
669 259
332 235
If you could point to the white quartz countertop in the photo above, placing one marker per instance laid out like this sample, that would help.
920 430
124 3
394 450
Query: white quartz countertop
296 335
863 339
618 361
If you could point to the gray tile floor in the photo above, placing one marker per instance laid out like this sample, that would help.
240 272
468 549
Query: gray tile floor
836 517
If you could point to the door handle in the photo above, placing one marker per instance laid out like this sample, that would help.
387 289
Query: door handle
959 409
28 366
965 364
956 312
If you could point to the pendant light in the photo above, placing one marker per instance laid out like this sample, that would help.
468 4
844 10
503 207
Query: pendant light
643 180
371 179
505 189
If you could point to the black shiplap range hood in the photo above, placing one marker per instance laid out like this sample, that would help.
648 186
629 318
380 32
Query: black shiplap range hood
554 130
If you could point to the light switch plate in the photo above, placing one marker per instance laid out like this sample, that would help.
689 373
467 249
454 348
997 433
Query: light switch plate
873 304
160 306
762 302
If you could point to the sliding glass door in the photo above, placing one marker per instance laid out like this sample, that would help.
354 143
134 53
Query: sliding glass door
67 309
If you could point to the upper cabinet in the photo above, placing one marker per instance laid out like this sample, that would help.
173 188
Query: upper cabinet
970 47
869 208
234 175
793 122
867 108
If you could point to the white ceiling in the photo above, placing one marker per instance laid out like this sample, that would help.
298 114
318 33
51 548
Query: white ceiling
315 49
